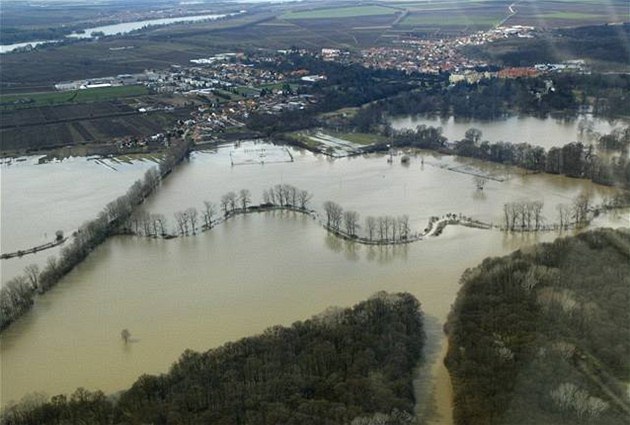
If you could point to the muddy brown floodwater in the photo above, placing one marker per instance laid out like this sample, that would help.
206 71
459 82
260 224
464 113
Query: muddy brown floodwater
260 270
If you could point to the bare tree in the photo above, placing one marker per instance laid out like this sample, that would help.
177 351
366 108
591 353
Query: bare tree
564 213
151 179
192 215
147 223
389 221
370 225
32 273
581 205
382 227
403 227
537 207
245 198
304 198
266 197
334 214
160 224
528 211
291 194
232 200
394 224
209 210
351 222
480 182
506 216
225 204
280 194
182 223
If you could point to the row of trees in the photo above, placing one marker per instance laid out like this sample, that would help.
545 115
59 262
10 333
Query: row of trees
343 366
572 160
378 229
498 97
17 296
485 100
191 220
287 195
523 215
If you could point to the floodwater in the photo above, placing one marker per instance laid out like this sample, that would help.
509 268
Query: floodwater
127 27
545 132
39 199
119 29
7 48
264 269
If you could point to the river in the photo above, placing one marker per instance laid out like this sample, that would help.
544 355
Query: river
119 29
264 269
127 27
545 132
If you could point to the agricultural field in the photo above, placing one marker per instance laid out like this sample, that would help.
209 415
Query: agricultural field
340 12
29 100
562 13
432 20
35 128
280 26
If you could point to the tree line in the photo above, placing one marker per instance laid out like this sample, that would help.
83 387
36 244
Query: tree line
18 295
344 366
192 221
542 336
610 165
494 98
382 229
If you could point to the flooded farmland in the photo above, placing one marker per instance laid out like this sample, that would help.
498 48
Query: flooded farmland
259 270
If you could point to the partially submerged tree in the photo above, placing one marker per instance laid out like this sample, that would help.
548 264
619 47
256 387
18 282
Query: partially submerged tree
125 335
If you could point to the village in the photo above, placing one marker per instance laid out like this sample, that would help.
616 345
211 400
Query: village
227 88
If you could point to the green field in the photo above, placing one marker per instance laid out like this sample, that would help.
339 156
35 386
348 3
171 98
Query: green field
359 138
571 15
341 12
74 96
429 20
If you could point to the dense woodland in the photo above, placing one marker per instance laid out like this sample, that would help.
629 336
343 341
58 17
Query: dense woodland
543 336
347 85
499 97
605 161
344 366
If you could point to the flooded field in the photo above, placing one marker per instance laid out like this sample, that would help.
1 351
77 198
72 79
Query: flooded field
545 132
39 199
259 270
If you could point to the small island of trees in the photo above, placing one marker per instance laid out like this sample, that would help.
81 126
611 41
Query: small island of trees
344 366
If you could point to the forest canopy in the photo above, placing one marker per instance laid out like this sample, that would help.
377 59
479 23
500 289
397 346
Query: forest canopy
343 366
543 335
